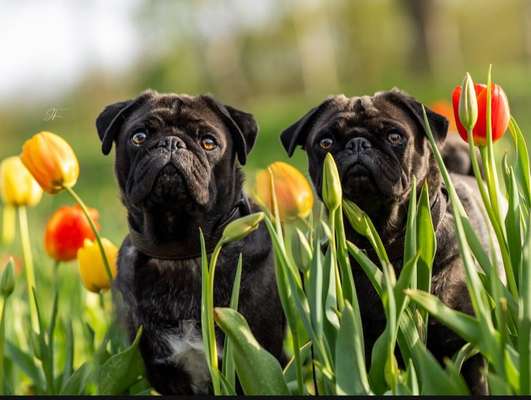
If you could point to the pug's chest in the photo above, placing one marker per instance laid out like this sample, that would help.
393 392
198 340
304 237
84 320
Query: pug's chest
168 306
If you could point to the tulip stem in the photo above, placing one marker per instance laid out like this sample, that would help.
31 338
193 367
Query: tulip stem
93 227
8 224
28 262
210 310
2 344
493 216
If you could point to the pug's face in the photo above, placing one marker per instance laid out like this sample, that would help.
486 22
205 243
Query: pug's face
175 151
378 144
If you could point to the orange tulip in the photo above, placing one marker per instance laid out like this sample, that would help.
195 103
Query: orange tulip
66 232
91 265
293 191
51 160
17 186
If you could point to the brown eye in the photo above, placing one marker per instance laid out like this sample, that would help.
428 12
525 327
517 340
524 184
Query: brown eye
394 138
208 143
139 138
326 143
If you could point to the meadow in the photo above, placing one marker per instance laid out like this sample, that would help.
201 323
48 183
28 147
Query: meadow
69 344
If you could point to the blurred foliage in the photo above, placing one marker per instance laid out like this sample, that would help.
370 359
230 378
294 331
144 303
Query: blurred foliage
277 59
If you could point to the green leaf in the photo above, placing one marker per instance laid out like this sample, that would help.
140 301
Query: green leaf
69 353
405 281
524 318
523 159
26 363
44 352
121 370
410 241
426 240
498 386
463 324
351 375
228 369
374 273
513 218
258 371
433 378
315 290
75 385
2 345
467 351
290 370
362 224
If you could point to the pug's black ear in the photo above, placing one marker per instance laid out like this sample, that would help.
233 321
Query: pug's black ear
110 120
297 133
242 126
438 123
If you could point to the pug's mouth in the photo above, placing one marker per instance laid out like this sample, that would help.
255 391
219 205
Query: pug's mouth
169 187
358 180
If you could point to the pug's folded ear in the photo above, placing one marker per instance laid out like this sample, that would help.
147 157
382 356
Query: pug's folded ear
242 126
297 133
110 120
438 123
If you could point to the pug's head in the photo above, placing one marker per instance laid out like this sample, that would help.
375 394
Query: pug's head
175 151
378 143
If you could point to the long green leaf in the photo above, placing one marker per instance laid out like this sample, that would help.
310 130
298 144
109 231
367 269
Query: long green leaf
351 376
258 371
523 159
228 369
433 378
463 324
75 385
121 370
524 318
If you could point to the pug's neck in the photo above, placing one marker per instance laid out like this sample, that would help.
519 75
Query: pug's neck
390 217
180 227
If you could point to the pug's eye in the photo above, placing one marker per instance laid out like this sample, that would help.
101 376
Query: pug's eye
208 143
395 138
139 138
326 143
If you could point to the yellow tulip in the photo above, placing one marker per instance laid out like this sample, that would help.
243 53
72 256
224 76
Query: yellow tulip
292 190
51 161
17 186
91 267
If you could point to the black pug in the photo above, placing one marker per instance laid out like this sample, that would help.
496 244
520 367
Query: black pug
177 166
379 145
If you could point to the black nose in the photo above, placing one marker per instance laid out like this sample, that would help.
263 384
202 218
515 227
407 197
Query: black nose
172 143
358 144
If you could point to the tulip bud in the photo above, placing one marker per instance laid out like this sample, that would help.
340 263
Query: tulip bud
468 104
241 227
51 161
91 265
292 190
332 193
464 108
17 186
7 279
357 217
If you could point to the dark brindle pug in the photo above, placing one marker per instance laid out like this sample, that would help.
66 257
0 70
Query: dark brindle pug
177 166
379 145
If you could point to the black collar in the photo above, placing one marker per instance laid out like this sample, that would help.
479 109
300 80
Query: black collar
172 250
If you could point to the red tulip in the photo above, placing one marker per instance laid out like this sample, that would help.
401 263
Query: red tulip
500 114
66 232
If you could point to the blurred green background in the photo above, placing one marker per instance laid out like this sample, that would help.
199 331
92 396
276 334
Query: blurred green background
63 61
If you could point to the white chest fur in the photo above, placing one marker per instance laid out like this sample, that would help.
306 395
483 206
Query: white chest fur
186 352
